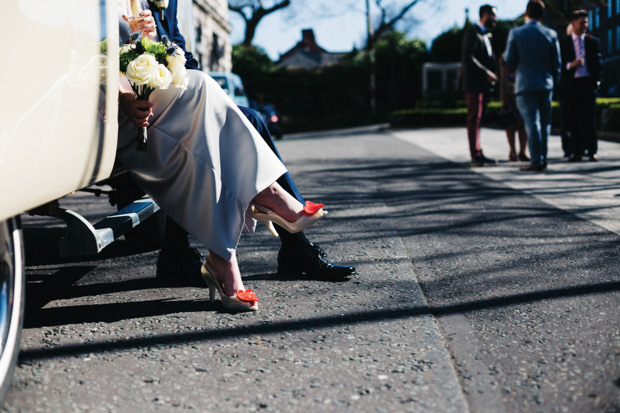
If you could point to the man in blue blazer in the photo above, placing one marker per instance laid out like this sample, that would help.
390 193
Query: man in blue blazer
297 256
581 72
533 51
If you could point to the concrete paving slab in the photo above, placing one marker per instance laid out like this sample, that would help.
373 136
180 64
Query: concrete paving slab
590 190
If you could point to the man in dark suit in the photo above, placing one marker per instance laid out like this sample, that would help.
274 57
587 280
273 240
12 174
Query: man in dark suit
478 75
581 72
533 51
179 263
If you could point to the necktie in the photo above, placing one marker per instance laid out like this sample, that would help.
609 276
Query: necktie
580 54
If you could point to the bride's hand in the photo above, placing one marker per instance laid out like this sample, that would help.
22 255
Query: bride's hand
146 24
137 110
149 30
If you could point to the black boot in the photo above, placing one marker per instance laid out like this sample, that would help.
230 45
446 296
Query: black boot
178 263
310 261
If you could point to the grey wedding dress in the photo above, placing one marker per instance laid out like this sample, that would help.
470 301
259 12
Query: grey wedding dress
204 162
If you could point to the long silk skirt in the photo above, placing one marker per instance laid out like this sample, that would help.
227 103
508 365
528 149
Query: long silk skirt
204 162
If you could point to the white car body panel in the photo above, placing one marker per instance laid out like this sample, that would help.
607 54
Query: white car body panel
54 135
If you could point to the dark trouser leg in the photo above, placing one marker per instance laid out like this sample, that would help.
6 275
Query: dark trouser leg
564 122
286 181
589 120
176 237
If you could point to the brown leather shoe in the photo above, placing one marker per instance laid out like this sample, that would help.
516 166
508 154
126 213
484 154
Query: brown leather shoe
532 168
594 158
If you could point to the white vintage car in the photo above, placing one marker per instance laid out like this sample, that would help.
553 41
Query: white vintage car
58 133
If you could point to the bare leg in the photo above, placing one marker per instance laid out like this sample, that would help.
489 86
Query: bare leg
281 202
227 272
510 134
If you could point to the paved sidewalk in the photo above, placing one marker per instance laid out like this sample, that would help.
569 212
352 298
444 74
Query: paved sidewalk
590 190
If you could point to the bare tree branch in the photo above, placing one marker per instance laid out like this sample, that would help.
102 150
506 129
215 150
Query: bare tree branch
252 11
386 24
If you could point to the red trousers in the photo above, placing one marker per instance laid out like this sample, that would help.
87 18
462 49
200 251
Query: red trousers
475 106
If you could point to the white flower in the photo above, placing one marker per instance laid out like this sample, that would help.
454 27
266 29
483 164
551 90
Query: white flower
161 78
162 4
176 59
124 49
179 77
141 70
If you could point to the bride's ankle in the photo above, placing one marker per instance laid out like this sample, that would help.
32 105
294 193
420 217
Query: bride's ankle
280 202
227 273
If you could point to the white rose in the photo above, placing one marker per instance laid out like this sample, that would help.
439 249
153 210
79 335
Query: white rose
176 59
142 69
162 4
179 77
161 79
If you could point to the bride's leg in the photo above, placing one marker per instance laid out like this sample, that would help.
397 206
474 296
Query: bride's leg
227 272
281 202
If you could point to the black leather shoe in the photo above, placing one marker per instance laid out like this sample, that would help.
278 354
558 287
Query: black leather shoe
533 168
311 262
180 267
482 161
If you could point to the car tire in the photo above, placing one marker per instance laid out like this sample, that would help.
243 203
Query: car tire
12 293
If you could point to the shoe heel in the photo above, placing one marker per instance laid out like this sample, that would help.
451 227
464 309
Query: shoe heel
211 292
265 221
207 276
272 229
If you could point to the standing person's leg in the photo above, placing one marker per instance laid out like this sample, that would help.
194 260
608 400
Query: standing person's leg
575 123
520 127
510 135
564 125
475 102
589 122
528 107
545 123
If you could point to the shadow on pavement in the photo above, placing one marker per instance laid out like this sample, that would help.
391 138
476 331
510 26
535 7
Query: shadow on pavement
162 307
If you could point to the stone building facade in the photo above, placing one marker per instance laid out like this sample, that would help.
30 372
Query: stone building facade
204 24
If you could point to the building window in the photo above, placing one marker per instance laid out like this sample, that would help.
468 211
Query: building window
610 41
597 17
609 8
590 20
618 38
617 6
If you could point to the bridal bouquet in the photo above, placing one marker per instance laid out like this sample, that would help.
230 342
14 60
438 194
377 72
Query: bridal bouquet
150 65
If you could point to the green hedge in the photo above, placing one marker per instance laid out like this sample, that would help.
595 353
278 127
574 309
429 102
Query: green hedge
428 117
608 116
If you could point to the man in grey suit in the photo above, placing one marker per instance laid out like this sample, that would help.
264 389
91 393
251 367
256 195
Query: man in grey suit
534 52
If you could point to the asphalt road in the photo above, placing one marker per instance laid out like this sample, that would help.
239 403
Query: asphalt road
478 290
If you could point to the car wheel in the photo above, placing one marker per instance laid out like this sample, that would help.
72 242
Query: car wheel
12 288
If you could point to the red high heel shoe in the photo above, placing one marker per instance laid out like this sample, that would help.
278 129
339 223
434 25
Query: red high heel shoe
313 212
241 301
